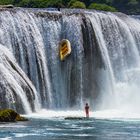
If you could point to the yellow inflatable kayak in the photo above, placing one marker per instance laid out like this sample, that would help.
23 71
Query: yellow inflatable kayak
65 49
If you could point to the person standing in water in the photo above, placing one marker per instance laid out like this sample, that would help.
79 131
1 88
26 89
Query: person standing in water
87 110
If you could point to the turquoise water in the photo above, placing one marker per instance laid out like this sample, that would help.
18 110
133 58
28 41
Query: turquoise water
57 128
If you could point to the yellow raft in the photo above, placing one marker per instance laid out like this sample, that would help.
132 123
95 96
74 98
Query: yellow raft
65 49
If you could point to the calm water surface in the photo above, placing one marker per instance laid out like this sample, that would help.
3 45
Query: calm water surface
61 129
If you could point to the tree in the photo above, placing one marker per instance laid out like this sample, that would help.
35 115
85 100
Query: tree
103 7
87 2
78 4
132 3
5 2
120 3
40 3
71 2
24 3
65 2
16 1
54 3
108 2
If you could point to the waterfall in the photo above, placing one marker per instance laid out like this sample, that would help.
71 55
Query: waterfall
103 68
16 90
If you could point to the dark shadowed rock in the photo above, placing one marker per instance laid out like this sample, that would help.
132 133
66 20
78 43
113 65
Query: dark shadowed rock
76 118
9 115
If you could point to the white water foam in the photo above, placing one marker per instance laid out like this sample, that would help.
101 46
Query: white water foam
104 114
7 138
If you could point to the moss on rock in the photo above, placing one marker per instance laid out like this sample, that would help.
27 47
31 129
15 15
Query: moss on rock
9 115
21 118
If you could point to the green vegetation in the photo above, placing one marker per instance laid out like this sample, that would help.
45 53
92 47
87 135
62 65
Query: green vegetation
39 3
103 7
77 4
126 6
4 2
9 115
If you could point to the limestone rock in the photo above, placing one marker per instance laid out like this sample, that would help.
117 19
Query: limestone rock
7 6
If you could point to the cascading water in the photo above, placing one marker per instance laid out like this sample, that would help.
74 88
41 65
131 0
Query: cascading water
103 68
16 89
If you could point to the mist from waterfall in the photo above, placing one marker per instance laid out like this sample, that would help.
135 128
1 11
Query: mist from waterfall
103 68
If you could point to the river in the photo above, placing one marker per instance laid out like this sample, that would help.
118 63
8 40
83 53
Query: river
51 125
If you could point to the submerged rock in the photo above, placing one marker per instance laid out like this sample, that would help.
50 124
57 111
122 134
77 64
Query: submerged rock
9 115
76 118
